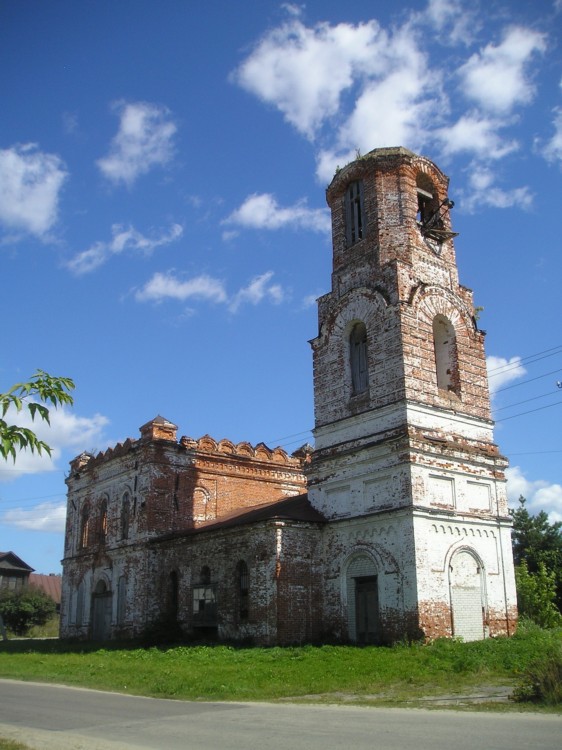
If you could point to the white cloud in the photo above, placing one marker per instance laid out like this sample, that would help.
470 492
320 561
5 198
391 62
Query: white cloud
502 371
257 290
67 431
483 192
49 517
144 140
167 286
30 185
124 238
473 133
163 286
261 211
553 149
497 77
454 21
304 71
540 495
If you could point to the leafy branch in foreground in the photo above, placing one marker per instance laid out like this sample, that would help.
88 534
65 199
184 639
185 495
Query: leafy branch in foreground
47 389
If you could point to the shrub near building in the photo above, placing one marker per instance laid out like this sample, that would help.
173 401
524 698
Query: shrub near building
23 609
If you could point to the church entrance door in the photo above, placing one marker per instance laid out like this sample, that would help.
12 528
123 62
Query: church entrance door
101 616
367 610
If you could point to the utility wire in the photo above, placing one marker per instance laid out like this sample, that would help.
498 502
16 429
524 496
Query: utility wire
530 359
531 411
524 382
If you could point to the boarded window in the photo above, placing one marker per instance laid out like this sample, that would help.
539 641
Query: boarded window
354 214
358 359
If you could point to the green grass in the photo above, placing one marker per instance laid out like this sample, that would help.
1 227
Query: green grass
322 673
12 745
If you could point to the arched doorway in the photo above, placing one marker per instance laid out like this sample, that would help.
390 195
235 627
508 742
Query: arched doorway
101 612
468 605
363 600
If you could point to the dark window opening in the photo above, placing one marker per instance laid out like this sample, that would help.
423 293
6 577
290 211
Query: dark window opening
358 359
354 223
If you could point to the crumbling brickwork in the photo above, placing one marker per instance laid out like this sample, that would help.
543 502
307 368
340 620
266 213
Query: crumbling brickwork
395 526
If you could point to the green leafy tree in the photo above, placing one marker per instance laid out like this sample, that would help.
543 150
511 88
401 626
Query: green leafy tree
32 396
536 595
23 609
537 542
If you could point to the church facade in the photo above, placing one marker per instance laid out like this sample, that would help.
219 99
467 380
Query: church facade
395 525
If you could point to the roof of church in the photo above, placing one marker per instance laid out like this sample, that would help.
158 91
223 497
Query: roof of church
296 508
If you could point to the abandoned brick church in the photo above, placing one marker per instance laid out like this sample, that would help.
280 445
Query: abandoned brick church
395 524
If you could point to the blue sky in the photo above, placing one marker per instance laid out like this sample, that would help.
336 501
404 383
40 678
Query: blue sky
163 225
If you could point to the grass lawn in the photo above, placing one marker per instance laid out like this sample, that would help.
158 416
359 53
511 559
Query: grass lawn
368 675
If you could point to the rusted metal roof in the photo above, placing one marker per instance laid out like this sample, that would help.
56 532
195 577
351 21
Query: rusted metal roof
296 508
50 584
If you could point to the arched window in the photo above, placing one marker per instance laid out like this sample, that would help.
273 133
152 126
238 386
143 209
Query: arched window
446 357
427 199
358 359
85 528
242 591
103 522
354 214
125 515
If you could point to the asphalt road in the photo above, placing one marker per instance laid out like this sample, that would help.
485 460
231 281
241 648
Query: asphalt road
52 717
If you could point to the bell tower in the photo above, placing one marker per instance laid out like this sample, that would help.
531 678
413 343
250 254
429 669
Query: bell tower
405 464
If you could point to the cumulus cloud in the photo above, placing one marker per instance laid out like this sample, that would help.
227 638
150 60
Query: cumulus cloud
541 495
261 211
349 87
502 371
123 239
30 186
497 77
164 286
168 286
144 140
455 21
257 290
304 71
67 431
483 192
49 517
477 134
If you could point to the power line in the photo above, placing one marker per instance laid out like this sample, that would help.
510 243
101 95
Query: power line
530 380
530 359
531 411
525 401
